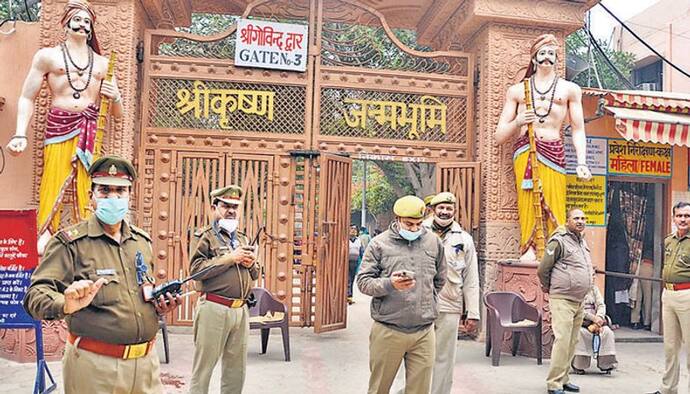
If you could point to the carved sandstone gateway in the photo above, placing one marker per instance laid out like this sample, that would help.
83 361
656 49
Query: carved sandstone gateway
467 54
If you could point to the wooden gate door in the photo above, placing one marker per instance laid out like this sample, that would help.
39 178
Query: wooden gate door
196 175
254 174
463 180
331 266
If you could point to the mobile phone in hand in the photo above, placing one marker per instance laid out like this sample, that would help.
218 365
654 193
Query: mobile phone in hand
406 274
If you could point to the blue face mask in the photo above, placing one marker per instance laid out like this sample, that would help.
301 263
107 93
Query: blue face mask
410 235
111 210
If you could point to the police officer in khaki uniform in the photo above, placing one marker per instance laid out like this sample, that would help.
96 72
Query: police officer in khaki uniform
565 272
221 324
93 274
403 269
676 298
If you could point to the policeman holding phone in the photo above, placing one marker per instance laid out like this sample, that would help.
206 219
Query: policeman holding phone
221 324
403 269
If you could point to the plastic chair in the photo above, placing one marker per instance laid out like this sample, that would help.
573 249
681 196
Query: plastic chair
508 311
269 313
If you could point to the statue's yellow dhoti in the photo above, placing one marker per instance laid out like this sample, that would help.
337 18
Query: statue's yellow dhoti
551 161
70 148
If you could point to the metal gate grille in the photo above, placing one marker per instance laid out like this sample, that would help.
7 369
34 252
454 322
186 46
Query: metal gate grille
356 63
198 177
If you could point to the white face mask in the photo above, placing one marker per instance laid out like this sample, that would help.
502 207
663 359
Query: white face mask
229 225
443 222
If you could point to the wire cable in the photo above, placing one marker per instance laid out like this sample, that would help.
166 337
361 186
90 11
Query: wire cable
28 11
657 29
644 42
608 61
601 52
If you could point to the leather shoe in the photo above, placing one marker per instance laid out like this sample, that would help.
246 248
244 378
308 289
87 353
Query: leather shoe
571 387
556 392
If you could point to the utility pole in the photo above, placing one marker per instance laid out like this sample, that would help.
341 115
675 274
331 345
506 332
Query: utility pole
364 195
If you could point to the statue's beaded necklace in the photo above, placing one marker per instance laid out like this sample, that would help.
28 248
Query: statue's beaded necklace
552 89
80 70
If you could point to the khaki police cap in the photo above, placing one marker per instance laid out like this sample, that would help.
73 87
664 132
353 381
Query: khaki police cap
409 207
229 194
443 198
427 199
112 170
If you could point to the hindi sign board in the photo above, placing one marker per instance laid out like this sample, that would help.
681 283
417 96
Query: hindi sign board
639 158
18 259
589 195
596 155
262 44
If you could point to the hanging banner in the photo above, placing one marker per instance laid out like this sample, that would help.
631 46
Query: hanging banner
18 258
639 158
281 46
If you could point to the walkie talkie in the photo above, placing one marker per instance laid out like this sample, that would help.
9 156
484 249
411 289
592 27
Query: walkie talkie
174 287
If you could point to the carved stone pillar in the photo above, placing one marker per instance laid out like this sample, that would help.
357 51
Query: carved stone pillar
499 33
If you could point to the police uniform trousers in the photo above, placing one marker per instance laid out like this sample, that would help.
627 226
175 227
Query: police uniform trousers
446 327
389 347
87 372
676 318
446 332
566 320
219 331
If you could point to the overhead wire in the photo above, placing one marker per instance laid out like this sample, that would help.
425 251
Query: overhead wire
28 11
591 54
670 63
619 75
608 61
659 29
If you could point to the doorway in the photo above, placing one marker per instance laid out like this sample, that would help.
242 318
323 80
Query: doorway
633 246
376 184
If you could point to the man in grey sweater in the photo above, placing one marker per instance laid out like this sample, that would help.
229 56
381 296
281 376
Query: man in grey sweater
565 272
403 269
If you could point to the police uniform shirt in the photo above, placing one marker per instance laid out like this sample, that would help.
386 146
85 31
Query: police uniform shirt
227 280
676 259
118 314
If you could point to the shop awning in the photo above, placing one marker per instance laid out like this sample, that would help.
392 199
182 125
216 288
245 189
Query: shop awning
655 101
651 126
644 99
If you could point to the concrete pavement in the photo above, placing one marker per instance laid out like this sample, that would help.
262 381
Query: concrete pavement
337 363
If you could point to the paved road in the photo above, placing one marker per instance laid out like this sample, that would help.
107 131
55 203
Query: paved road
337 363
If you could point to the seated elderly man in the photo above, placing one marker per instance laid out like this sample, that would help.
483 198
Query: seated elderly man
596 337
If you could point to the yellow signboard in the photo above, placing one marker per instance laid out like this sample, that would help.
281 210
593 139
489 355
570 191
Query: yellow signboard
639 158
590 196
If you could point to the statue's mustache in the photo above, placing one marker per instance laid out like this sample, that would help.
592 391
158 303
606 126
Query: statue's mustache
76 29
